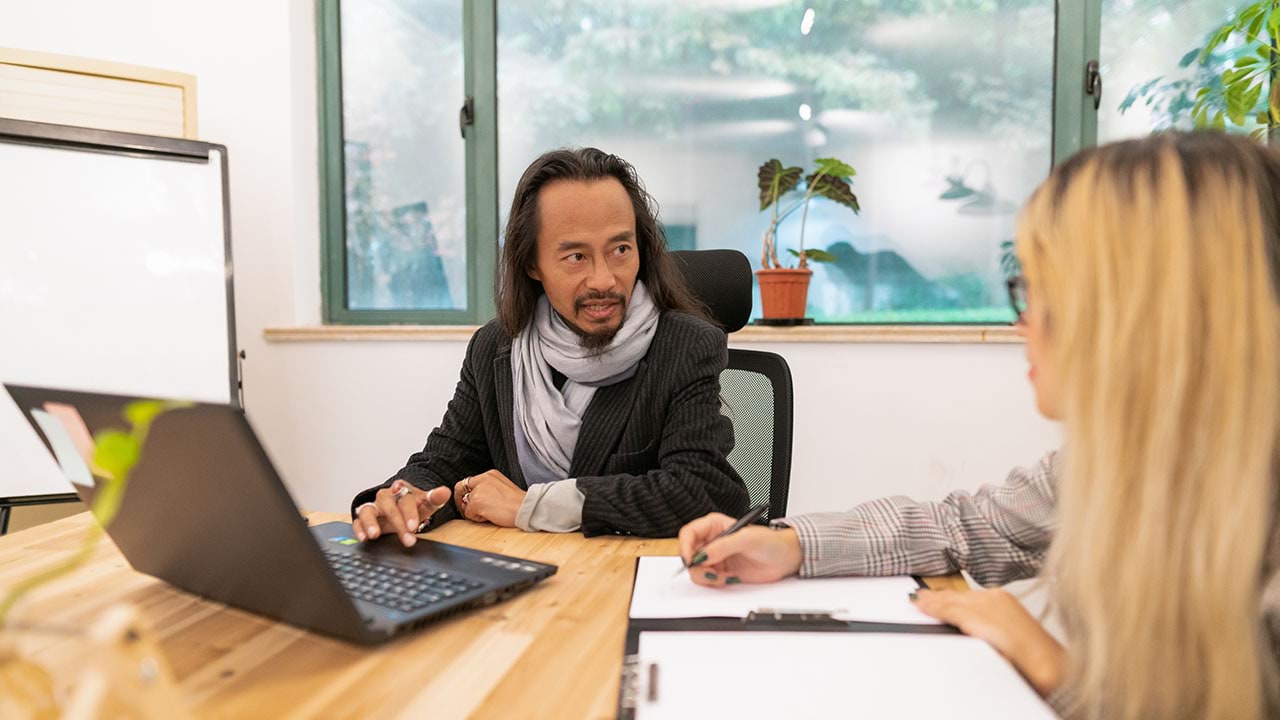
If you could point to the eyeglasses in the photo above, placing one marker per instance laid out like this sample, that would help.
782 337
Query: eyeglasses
1017 286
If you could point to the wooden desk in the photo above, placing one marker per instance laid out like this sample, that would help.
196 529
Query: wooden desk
553 651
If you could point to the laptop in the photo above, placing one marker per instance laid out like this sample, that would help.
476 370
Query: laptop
205 511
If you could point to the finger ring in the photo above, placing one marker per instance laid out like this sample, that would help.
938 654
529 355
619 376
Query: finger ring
404 490
466 481
466 497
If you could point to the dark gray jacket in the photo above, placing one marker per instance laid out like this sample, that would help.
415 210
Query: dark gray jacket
651 453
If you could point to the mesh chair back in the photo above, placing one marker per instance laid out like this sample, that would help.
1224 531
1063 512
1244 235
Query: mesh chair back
755 387
755 391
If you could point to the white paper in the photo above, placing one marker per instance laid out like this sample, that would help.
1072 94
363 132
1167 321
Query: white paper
661 593
828 675
64 449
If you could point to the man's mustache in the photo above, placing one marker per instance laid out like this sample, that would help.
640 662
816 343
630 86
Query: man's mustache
596 296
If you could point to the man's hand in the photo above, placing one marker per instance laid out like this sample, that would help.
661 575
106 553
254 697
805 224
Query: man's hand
398 509
490 497
752 555
998 617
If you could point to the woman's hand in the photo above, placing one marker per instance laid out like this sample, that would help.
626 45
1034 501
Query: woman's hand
754 554
998 618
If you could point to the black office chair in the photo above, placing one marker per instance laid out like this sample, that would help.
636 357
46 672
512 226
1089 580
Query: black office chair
755 386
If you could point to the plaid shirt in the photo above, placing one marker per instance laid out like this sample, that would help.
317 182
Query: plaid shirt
999 534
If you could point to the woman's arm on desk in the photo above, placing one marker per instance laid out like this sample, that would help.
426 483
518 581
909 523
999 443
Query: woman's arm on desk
999 534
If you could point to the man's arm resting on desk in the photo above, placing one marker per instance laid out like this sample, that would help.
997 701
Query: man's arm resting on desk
454 450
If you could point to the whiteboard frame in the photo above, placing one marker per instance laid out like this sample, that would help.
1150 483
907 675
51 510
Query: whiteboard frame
67 137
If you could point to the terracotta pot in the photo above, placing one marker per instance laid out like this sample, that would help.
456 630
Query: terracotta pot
784 292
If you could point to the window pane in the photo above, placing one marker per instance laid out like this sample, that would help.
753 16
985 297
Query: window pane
402 75
1150 69
944 109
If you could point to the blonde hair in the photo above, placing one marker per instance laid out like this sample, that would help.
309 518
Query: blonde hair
1153 261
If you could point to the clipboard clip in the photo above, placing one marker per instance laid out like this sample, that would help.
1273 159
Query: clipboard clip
637 678
629 690
775 617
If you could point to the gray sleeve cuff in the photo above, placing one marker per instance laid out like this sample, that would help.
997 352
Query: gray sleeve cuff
551 507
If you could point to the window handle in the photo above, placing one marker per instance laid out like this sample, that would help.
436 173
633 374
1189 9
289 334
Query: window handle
1093 82
466 116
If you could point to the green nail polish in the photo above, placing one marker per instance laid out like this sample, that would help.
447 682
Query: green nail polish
710 576
698 559
913 596
732 580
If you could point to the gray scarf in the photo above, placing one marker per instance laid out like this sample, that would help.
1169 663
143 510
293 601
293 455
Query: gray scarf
549 419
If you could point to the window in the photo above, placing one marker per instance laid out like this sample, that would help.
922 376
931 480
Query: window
925 104
396 176
946 108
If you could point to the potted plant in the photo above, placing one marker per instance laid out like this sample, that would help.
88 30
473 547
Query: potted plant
1235 79
784 291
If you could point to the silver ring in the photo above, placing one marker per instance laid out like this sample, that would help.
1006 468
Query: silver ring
466 481
404 490
466 497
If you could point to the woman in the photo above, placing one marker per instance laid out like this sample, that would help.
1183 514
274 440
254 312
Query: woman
1153 332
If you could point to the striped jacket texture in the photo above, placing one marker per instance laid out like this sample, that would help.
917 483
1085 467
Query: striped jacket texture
651 455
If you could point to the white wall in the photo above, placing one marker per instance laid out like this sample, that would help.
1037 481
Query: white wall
870 419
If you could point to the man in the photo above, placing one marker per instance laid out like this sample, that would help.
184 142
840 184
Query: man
592 402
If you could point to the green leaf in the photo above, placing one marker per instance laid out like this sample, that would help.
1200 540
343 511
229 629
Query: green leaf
1248 60
116 452
1235 77
1219 121
1249 13
815 255
834 188
1138 91
1241 101
1235 113
140 413
834 167
1202 92
1263 117
775 181
1255 25
1198 113
1217 39
1189 58
1250 101
1273 21
821 256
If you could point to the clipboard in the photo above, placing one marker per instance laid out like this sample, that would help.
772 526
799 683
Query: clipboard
760 620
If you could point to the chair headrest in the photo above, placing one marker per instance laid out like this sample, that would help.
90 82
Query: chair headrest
721 279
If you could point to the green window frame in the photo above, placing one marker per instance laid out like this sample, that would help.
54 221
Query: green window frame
1077 35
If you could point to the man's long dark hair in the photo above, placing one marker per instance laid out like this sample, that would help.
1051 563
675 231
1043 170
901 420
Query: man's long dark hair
517 293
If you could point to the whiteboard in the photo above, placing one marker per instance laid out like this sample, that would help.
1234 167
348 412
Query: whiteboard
114 277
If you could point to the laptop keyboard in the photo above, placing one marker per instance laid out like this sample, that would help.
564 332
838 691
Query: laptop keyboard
393 587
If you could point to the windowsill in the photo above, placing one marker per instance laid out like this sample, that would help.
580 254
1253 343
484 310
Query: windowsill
965 334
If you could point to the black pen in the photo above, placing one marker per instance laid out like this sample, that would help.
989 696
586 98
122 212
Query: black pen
752 515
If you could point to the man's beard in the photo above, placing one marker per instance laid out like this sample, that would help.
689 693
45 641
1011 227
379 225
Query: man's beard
595 343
